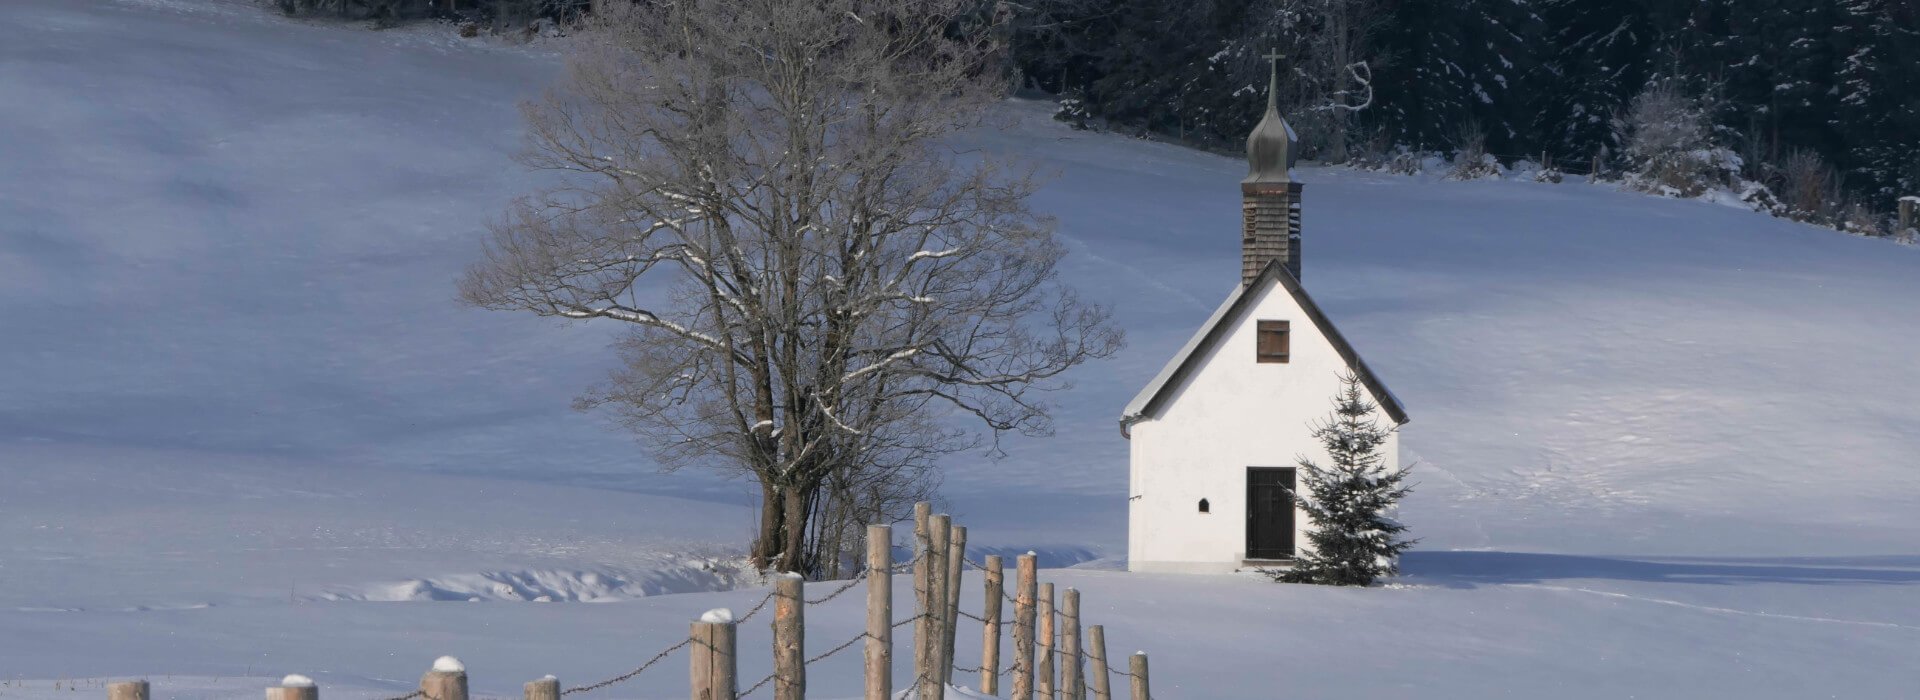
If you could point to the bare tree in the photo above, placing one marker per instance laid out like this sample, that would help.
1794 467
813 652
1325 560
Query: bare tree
823 295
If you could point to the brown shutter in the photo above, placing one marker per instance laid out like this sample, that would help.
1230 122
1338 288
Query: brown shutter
1275 345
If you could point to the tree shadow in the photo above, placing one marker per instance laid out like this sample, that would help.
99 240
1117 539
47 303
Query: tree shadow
1472 569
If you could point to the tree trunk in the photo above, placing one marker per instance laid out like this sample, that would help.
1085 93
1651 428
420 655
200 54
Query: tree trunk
768 543
793 531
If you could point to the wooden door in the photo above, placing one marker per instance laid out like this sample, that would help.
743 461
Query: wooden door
1269 512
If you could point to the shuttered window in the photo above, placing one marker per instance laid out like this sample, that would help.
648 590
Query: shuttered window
1274 341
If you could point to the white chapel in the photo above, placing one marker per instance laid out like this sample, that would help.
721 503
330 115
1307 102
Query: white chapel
1215 437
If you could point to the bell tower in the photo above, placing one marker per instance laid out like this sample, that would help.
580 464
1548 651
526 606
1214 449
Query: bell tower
1269 197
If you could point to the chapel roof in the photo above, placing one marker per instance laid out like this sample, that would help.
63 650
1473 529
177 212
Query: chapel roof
1184 363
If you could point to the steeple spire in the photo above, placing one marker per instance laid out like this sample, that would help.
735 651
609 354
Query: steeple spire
1269 198
1271 146
1273 80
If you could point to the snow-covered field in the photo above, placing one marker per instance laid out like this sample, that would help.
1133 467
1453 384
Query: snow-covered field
1666 448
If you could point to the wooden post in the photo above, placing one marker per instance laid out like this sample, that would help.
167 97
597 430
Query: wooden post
544 689
933 685
1023 622
922 546
879 612
956 570
1044 685
1137 676
1907 206
990 651
447 680
714 663
789 637
128 690
1073 679
1096 663
294 687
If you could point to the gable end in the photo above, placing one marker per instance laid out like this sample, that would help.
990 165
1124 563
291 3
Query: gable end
1155 396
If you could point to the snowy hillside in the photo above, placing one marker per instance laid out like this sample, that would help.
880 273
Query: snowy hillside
1664 447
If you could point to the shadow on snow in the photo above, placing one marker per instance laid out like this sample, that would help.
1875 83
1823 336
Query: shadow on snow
1471 569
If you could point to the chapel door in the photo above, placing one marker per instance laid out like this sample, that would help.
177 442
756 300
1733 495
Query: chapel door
1269 513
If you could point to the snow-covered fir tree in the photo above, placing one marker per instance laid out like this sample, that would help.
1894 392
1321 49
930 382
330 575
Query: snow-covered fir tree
1350 499
1831 77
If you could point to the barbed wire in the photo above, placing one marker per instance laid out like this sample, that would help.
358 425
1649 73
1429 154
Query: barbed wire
848 586
624 677
978 618
823 655
976 669
757 607
756 686
408 696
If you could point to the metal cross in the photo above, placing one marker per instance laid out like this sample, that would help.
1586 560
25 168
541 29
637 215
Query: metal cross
1275 58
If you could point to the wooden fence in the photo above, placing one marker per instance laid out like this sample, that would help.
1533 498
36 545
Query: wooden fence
1053 656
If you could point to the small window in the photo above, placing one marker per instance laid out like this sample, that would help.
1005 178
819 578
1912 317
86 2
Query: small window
1274 341
1204 508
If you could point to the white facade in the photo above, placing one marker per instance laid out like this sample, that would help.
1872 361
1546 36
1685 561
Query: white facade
1215 412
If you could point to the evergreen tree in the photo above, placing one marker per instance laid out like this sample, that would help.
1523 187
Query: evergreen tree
1355 540
1839 78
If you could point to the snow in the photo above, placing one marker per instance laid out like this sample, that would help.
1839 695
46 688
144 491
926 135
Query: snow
448 664
717 616
298 681
1664 447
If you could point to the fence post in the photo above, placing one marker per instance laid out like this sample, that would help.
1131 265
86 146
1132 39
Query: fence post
934 672
714 663
1097 662
1073 679
990 653
544 689
789 638
447 680
879 612
956 569
1023 625
1045 684
1137 676
128 690
1907 205
922 547
294 687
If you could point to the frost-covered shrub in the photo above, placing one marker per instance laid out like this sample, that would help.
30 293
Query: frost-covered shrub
1859 219
1406 163
1667 142
1471 161
1072 110
1373 152
1548 171
1808 187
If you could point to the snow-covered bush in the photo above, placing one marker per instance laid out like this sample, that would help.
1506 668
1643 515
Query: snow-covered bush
1808 187
1471 161
1547 170
1667 141
1859 219
1072 110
